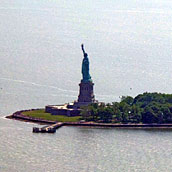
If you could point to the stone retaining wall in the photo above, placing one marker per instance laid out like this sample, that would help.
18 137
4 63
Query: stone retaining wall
20 116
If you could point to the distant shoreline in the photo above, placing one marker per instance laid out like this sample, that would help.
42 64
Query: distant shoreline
19 116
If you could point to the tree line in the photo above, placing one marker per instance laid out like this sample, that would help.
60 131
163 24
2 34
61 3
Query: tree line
144 108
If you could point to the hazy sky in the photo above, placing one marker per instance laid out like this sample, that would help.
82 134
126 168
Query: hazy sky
128 43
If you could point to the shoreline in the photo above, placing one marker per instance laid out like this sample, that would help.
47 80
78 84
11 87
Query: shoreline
19 116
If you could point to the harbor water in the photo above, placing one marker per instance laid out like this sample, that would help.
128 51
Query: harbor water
129 48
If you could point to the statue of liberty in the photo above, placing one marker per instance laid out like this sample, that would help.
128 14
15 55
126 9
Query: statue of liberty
85 67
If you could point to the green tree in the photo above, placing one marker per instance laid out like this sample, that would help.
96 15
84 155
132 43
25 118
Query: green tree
106 114
127 99
85 113
148 116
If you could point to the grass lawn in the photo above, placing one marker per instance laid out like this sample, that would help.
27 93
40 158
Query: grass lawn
47 116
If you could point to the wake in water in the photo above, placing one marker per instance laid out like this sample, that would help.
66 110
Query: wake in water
152 11
25 9
38 85
99 97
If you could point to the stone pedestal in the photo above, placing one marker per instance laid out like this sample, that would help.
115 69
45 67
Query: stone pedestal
86 94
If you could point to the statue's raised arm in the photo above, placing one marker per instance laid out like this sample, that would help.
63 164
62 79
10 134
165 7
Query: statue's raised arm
82 46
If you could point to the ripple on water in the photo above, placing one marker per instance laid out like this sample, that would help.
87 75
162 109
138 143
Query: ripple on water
83 149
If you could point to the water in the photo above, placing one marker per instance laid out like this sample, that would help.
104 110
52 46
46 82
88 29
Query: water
78 149
129 47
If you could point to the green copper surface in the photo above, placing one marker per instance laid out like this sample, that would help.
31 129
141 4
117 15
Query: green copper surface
85 67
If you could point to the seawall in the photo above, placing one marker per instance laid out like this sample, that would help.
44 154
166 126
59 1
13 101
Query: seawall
19 116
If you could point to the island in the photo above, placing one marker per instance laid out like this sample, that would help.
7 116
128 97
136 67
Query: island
147 110
144 110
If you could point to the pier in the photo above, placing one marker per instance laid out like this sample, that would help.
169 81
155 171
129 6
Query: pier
48 129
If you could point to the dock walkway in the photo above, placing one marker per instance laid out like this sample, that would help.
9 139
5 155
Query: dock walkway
48 129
